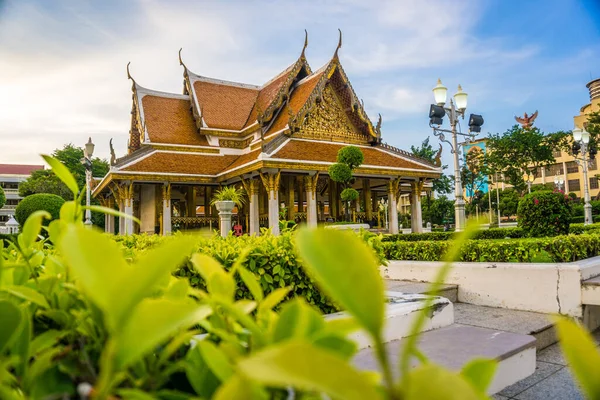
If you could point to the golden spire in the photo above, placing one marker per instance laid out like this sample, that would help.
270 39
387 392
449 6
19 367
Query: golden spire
335 55
305 43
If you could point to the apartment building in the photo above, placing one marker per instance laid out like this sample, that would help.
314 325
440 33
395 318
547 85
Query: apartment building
11 175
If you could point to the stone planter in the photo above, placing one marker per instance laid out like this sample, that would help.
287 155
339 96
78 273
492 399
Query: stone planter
225 208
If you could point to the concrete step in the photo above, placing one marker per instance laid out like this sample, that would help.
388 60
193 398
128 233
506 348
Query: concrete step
448 291
535 324
455 345
400 313
590 291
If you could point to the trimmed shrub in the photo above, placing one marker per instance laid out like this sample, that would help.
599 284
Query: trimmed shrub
352 156
564 248
340 172
493 233
349 194
272 259
42 201
543 214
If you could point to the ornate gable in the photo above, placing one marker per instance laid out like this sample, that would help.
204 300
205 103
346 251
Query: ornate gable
327 120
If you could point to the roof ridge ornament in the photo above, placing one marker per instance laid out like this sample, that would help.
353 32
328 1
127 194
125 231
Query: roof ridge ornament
129 75
305 43
180 60
335 55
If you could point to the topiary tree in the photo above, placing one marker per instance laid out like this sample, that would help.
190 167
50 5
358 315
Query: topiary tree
2 198
348 159
545 214
43 201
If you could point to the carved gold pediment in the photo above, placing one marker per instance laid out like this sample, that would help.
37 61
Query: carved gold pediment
327 120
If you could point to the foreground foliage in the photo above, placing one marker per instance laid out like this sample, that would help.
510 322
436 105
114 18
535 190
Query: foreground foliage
87 319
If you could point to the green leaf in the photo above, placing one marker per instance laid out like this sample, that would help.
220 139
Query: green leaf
216 360
479 373
20 347
434 382
297 320
62 173
273 298
27 294
40 365
251 282
581 354
306 367
98 266
219 283
135 394
32 229
200 376
347 270
113 212
152 322
239 388
11 322
44 341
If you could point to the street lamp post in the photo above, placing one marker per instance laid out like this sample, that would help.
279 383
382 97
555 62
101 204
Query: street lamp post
558 182
87 162
528 178
581 139
436 114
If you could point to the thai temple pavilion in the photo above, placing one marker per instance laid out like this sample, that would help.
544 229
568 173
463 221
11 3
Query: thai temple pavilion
276 140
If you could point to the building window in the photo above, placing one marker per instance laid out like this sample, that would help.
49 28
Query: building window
554 169
574 185
593 182
12 202
593 164
9 185
572 167
556 153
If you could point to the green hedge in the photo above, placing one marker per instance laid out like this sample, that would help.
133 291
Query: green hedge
581 219
272 259
41 201
493 233
555 249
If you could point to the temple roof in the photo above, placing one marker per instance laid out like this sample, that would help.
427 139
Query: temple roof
19 169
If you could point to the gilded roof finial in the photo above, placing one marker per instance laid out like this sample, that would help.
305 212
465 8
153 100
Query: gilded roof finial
305 43
378 127
335 55
128 74
180 60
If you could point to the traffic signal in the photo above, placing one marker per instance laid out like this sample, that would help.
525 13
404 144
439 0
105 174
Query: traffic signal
475 122
576 147
436 114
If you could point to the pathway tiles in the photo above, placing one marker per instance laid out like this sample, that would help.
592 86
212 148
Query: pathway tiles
551 380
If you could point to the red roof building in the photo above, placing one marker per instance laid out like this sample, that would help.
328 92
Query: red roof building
277 140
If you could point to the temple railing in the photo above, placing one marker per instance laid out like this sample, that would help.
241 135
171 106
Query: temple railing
185 223
263 220
300 215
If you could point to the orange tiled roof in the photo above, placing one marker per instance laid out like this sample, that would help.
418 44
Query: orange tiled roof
244 158
297 100
170 120
327 152
225 106
180 163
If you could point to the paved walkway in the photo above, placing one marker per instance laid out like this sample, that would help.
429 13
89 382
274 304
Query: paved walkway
552 379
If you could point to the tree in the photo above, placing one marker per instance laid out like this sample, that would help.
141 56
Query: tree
442 185
474 176
348 159
519 151
45 181
2 197
439 210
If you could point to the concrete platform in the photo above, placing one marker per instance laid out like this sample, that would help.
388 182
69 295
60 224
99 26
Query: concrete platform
448 291
455 345
590 291
535 324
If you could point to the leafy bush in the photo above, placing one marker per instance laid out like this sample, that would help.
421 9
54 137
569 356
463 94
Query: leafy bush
38 202
493 233
543 214
553 249
352 156
340 172
349 194
229 193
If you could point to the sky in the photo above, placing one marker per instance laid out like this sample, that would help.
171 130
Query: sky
63 62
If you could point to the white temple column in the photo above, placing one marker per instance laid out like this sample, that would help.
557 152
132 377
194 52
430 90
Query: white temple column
252 187
166 211
109 220
271 183
121 219
147 208
393 205
310 186
128 209
415 207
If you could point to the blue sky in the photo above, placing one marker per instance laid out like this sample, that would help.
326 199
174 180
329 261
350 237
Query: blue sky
63 77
